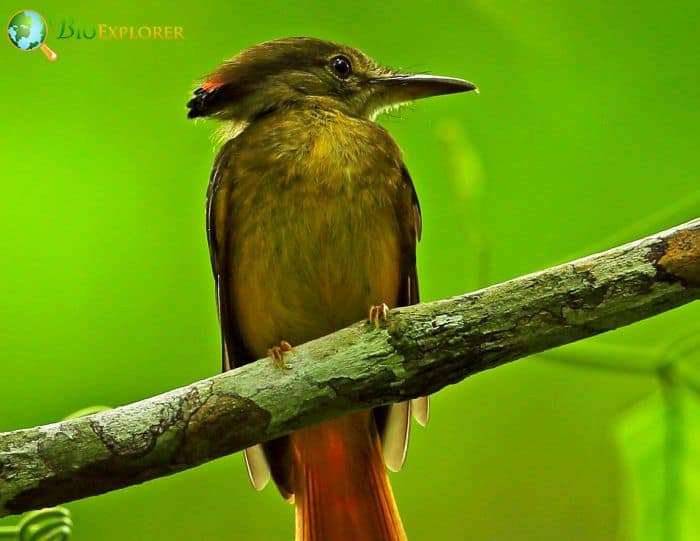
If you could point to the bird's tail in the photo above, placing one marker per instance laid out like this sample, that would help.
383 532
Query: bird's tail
341 489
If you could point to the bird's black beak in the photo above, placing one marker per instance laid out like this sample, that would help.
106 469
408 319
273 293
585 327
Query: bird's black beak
402 88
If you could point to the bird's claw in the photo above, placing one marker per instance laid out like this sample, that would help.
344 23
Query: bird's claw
378 313
277 353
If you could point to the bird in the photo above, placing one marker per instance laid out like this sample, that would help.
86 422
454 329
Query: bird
312 224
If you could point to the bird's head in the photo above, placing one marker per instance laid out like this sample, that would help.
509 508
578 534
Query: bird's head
286 71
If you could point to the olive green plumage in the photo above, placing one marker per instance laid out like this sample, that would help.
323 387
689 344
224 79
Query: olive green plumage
312 219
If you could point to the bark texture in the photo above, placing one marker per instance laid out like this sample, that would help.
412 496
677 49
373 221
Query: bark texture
419 350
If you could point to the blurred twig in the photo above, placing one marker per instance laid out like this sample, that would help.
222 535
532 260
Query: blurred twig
637 359
680 210
419 350
86 411
606 357
469 186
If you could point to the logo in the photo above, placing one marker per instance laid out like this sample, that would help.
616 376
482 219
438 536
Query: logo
27 31
70 29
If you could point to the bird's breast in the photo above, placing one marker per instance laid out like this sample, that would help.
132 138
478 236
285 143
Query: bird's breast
315 242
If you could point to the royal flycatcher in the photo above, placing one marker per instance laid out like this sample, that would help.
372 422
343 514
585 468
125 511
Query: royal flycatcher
312 221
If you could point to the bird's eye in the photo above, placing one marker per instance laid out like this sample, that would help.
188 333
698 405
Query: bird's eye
341 66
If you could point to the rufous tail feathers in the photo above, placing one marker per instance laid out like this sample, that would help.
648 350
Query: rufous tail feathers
341 489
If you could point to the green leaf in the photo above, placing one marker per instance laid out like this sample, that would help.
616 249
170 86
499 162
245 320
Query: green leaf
659 444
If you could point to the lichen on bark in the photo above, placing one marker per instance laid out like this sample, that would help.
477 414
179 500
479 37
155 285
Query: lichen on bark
419 350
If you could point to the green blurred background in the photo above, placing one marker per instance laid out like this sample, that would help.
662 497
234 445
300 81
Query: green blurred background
585 135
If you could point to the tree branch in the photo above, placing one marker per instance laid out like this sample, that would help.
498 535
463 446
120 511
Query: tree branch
420 350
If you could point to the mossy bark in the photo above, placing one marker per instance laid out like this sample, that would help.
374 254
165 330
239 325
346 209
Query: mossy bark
419 350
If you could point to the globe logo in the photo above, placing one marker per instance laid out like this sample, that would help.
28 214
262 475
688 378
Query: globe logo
27 31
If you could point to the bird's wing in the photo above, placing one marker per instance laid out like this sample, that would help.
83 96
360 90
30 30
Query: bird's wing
419 406
394 421
410 222
219 236
411 234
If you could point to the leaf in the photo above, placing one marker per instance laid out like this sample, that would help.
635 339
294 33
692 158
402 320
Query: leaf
659 445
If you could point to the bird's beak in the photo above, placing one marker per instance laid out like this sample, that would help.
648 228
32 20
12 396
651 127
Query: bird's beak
402 88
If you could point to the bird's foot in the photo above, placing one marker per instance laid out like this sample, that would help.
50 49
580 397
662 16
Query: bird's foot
377 314
277 353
